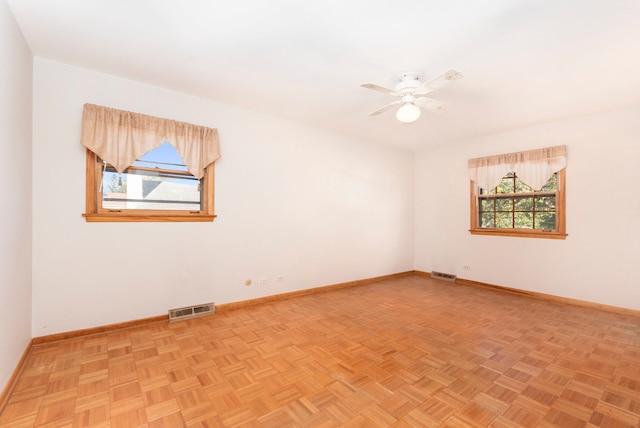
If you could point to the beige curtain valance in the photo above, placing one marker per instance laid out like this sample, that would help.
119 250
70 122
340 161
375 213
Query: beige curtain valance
534 167
120 137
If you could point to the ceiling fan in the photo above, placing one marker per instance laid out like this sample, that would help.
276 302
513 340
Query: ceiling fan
409 88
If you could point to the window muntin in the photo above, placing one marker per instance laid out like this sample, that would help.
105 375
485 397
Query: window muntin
514 209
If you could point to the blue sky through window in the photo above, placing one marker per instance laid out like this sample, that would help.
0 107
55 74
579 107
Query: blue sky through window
160 157
164 157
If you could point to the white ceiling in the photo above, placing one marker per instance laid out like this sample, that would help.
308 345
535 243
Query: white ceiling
524 61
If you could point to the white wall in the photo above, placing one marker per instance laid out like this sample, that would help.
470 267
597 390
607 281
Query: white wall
315 207
15 194
598 262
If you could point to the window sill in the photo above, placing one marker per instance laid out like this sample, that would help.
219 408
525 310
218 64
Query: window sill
105 218
519 233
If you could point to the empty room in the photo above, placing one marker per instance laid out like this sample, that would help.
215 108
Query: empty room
320 214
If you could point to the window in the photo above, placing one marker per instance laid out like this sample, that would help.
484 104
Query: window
514 209
519 194
144 168
157 187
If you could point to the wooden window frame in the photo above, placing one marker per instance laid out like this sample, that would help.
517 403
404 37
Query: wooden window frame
558 233
94 212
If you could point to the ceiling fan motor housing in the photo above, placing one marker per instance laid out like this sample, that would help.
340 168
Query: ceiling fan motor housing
407 83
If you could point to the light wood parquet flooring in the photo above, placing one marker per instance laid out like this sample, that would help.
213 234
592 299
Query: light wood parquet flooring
409 352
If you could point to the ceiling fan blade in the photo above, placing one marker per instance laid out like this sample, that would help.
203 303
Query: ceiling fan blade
385 108
430 104
438 82
379 88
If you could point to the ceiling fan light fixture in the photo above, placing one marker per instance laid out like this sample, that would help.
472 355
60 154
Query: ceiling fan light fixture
410 91
408 113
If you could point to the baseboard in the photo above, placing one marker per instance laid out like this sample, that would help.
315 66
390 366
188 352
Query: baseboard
276 297
421 273
11 383
95 330
543 296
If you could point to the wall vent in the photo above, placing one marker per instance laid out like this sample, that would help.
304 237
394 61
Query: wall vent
189 312
444 276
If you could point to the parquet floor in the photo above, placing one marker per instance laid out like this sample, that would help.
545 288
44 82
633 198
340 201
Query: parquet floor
411 352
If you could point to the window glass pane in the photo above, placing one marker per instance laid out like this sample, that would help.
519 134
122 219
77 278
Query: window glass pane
155 182
506 185
504 220
486 220
546 221
524 203
546 203
112 182
521 187
486 204
165 157
552 184
523 220
488 192
504 204
150 190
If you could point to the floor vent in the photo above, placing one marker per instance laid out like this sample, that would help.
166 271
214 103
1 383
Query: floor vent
444 276
189 312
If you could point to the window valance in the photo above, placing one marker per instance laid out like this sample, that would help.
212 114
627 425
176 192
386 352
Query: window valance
120 137
533 167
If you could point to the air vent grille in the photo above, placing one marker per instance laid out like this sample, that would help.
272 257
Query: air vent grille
189 312
202 308
444 276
